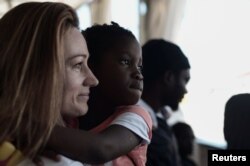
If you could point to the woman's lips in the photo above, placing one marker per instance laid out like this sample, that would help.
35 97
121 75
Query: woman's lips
83 96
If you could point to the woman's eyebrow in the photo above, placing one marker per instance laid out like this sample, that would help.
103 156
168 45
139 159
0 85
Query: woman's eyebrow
77 55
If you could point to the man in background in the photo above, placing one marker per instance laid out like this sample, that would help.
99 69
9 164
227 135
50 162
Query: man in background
166 73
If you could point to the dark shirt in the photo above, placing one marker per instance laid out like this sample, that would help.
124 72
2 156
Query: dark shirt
162 151
187 162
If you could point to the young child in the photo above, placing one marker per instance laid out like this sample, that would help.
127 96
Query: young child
123 128
185 139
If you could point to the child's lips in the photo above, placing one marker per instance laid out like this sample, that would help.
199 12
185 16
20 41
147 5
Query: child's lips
137 87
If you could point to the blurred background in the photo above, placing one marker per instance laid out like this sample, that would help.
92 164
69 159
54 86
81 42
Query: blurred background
214 35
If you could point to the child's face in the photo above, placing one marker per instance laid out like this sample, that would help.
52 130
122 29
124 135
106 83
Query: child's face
119 73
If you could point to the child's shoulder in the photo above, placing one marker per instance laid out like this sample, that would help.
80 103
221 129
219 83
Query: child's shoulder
131 108
137 109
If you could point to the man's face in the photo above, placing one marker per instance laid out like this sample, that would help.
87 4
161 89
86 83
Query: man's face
177 88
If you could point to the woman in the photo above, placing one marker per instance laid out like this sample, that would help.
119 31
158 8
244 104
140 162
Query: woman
44 72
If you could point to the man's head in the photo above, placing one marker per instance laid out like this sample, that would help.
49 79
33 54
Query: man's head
165 68
236 121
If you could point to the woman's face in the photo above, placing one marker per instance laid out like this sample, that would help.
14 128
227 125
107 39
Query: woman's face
78 77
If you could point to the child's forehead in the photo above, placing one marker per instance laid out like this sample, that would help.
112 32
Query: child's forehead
130 49
123 39
123 43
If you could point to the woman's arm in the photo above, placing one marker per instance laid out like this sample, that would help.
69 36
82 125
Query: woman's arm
91 148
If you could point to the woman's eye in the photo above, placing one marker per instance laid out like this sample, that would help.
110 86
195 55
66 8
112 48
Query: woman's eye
78 66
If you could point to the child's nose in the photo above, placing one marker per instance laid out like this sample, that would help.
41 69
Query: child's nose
138 75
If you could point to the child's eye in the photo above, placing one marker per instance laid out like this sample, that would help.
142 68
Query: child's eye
125 62
140 67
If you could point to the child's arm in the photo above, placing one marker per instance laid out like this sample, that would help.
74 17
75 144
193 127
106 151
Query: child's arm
92 148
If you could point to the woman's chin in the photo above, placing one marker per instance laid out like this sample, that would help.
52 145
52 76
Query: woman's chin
83 110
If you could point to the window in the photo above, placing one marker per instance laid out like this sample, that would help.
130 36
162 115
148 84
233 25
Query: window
124 12
215 35
83 13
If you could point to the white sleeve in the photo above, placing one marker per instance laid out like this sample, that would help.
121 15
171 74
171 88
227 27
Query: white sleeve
64 161
135 123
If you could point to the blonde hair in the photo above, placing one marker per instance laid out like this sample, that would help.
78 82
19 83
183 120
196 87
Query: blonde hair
32 71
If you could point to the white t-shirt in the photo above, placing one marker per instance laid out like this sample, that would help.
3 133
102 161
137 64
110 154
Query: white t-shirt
135 123
150 111
47 162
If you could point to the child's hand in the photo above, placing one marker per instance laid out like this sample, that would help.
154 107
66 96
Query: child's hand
48 154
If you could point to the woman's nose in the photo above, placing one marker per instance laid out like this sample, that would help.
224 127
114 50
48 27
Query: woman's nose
91 80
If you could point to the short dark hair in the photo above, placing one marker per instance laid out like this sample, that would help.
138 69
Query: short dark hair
102 38
160 55
185 137
236 121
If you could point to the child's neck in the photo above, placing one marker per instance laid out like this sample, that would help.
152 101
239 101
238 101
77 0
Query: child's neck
99 111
